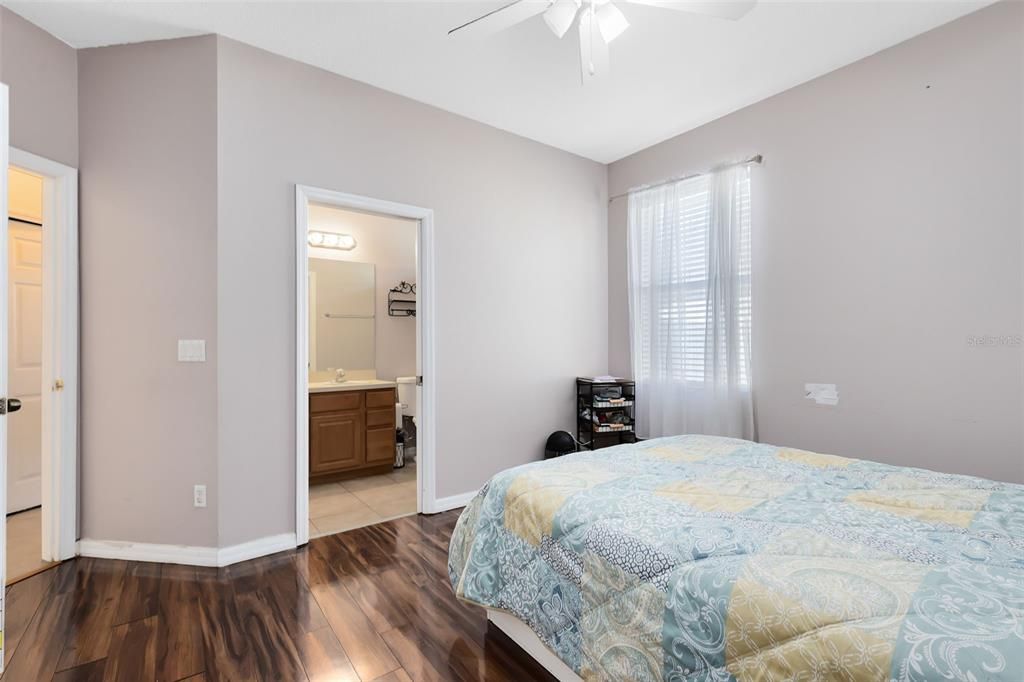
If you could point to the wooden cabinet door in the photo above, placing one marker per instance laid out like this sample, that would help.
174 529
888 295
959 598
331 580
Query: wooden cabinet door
380 444
336 441
380 426
384 397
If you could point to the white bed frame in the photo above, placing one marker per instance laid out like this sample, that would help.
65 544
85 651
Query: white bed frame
520 633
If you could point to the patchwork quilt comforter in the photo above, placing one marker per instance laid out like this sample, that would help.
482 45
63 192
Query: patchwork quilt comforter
700 558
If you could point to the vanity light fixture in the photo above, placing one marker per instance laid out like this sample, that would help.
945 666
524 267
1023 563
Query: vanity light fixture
331 240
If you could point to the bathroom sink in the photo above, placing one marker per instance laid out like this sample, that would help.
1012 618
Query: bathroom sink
350 385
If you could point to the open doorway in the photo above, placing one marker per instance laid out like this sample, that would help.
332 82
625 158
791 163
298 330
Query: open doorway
362 368
24 374
363 407
41 363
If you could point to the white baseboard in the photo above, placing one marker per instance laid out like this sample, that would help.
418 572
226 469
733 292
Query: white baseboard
143 551
184 554
255 548
443 504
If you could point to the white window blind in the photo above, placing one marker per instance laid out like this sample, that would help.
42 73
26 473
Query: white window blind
690 285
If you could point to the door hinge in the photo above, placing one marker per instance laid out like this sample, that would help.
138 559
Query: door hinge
419 380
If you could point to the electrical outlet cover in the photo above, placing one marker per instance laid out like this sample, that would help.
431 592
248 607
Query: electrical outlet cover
822 394
191 350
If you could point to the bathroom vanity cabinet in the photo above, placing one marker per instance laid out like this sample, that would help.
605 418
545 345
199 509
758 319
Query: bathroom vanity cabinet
351 433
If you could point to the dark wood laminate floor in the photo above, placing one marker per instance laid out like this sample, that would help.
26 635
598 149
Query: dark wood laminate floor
369 604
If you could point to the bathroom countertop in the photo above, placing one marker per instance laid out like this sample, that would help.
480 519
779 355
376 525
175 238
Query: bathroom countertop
353 385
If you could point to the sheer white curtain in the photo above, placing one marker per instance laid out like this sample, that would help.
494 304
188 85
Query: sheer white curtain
690 306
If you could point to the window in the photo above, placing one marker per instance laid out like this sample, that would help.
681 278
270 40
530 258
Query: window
690 305
692 272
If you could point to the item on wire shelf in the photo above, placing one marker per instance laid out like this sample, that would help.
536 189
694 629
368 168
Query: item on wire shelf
608 393
617 402
613 420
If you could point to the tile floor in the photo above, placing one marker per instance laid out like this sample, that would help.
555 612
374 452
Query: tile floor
337 507
24 544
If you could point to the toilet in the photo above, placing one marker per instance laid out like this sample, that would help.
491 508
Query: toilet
406 405
405 418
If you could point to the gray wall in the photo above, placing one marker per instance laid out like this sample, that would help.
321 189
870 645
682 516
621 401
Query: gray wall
42 74
148 155
521 271
190 150
888 229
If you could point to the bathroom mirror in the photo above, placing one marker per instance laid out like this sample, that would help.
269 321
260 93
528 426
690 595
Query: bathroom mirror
342 301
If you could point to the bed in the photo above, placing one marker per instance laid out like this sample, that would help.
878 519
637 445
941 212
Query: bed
702 558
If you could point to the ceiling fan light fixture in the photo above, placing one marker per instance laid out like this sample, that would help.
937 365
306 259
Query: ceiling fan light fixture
560 15
610 21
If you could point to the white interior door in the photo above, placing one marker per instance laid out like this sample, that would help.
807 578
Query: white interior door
24 364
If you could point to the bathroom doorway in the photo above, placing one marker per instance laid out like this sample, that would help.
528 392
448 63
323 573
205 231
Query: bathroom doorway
364 354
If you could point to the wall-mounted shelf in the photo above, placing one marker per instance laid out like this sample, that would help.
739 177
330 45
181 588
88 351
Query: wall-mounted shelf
402 300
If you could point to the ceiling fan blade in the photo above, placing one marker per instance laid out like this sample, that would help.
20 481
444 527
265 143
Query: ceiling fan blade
498 20
593 48
724 9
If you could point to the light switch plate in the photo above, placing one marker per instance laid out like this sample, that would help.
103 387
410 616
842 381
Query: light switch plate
191 350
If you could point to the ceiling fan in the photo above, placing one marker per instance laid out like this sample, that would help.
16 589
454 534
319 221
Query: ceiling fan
600 22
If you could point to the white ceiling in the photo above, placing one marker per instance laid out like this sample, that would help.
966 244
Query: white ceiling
671 71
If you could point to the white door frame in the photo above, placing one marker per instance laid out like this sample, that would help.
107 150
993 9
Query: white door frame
60 352
3 368
426 314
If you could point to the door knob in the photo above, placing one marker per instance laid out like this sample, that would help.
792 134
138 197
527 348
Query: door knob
8 405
